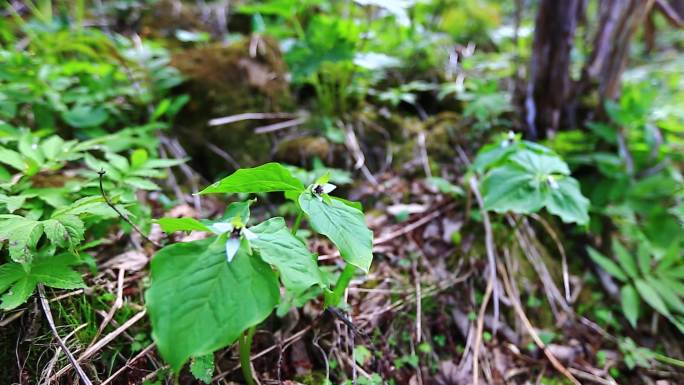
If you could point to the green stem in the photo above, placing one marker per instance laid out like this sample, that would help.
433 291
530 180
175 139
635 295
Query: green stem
342 283
298 222
245 349
669 360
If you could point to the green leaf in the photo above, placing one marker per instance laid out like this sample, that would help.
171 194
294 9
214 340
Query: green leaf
138 158
85 116
510 188
668 295
277 246
140 183
345 226
12 158
268 177
51 271
23 235
199 303
18 294
170 225
10 273
607 264
567 202
202 367
626 260
651 297
630 303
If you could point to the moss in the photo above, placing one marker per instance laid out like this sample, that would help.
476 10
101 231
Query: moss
224 80
299 150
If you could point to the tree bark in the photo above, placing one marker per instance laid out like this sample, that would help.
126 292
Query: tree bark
552 97
549 86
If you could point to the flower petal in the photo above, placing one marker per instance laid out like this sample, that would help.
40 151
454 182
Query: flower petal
328 188
221 227
232 247
249 234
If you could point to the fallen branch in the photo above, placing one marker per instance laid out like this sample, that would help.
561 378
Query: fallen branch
251 116
124 217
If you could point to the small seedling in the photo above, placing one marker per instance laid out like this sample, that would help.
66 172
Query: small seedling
207 294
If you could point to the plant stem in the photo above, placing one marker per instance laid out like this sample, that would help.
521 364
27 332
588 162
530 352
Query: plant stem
297 223
245 349
342 283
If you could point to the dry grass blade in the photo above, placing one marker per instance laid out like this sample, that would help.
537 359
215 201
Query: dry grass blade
491 282
48 315
100 344
530 329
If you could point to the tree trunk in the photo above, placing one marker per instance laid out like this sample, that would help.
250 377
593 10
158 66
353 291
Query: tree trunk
551 95
618 21
549 86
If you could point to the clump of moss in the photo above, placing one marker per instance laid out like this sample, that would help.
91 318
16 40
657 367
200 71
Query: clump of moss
224 80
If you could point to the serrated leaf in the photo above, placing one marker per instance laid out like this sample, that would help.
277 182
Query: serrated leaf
630 303
52 271
345 226
278 247
607 264
18 293
199 303
170 225
10 273
23 235
268 177
203 367
56 232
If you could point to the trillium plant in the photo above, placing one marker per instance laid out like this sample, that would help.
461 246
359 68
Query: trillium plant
207 294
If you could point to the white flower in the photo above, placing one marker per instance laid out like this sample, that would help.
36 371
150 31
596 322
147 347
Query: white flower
552 181
320 189
232 247
234 238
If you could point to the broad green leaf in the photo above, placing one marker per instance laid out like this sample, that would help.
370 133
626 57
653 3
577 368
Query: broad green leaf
56 232
630 303
199 303
540 164
203 367
277 246
268 177
170 225
345 226
567 201
510 188
607 264
651 297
